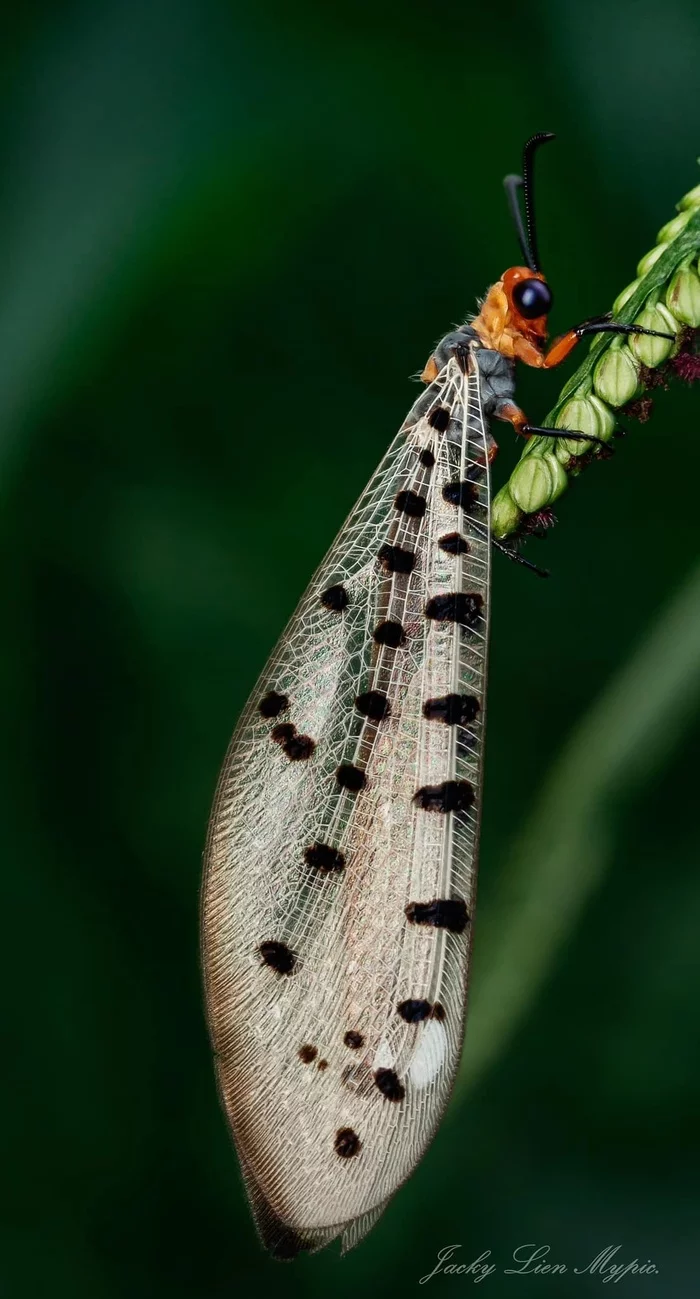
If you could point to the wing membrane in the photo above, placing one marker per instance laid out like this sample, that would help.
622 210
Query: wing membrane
338 882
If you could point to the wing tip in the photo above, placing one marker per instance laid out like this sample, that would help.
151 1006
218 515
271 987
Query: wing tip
282 1241
285 1243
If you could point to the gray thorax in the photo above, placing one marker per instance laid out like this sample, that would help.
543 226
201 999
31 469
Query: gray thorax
496 372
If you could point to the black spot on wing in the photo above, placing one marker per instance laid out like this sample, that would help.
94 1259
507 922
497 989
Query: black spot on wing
439 418
453 544
373 704
453 710
282 733
335 598
389 1084
450 796
353 1039
347 1143
322 1064
278 956
427 458
395 559
322 857
441 913
272 704
460 493
307 1053
389 633
350 777
297 747
411 503
414 1011
455 606
438 1011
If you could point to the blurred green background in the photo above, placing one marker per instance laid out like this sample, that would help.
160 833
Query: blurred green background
228 235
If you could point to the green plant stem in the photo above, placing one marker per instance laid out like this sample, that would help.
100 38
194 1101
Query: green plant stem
686 244
528 492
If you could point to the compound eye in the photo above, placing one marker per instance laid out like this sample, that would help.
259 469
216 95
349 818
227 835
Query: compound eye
532 298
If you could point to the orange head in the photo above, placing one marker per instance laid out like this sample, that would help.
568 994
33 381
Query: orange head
529 299
515 309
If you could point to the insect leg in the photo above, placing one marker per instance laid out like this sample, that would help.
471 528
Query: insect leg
559 351
512 414
518 558
511 553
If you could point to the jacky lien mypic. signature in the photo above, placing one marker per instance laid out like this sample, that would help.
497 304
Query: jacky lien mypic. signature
533 1260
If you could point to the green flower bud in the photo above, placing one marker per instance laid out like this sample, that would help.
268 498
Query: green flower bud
648 260
589 415
616 376
624 297
690 200
683 296
579 414
505 515
652 351
606 420
673 228
532 483
535 446
560 480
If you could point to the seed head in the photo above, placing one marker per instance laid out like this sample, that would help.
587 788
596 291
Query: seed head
683 297
505 515
537 481
624 297
690 200
586 414
650 258
616 376
673 227
653 351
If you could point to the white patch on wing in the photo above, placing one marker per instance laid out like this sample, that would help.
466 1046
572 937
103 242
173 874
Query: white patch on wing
422 434
430 1054
384 1057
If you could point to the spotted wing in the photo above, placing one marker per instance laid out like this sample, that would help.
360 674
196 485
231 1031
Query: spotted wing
341 861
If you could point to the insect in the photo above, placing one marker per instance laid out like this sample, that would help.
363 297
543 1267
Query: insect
340 867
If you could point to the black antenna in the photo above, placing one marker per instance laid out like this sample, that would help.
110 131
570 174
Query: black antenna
512 184
528 185
526 238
